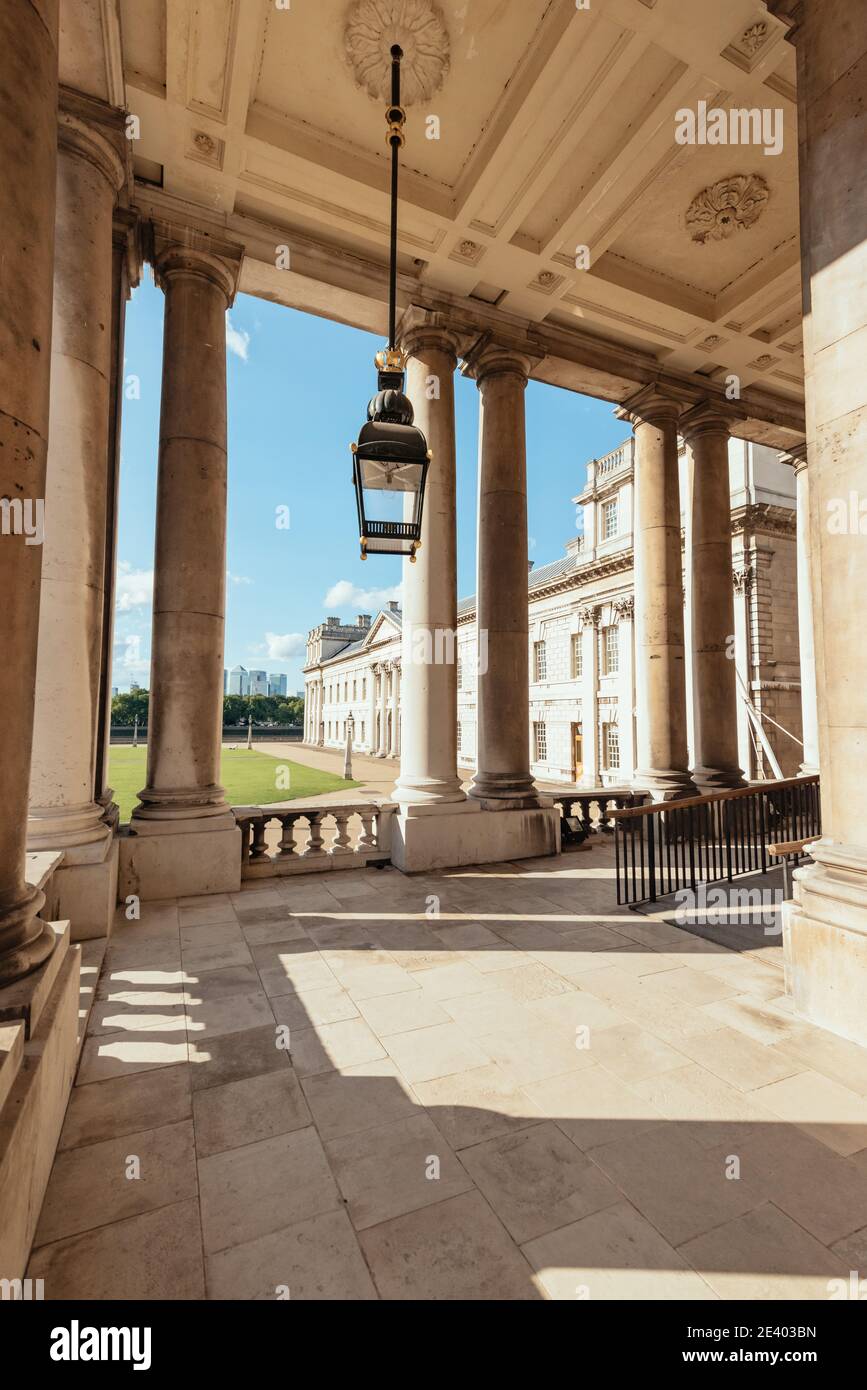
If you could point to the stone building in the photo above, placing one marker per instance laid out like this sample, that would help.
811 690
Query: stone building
581 648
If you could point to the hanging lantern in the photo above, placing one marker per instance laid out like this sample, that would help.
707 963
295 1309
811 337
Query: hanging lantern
391 458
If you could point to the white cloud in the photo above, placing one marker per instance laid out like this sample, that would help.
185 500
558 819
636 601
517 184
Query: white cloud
128 659
134 589
346 595
237 340
237 578
284 647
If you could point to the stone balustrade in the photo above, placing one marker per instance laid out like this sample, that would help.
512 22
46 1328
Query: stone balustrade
309 839
589 812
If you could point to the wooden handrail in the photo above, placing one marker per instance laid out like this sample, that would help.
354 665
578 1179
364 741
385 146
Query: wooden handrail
735 794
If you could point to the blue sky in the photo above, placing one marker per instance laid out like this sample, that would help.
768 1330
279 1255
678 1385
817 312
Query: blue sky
298 392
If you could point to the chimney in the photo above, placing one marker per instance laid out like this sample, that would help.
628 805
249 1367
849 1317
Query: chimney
363 620
393 606
332 622
530 564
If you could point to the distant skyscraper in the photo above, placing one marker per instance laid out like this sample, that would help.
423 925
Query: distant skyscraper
239 681
277 684
225 681
133 687
258 683
114 691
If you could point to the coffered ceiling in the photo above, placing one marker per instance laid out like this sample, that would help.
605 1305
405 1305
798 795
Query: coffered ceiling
263 120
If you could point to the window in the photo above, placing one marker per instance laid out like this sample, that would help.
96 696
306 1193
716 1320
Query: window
577 656
610 747
540 742
460 735
364 687
609 520
354 690
460 676
540 662
361 740
610 651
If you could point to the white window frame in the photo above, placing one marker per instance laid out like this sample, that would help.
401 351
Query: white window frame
540 741
611 648
540 661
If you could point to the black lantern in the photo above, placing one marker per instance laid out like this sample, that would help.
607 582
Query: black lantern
391 458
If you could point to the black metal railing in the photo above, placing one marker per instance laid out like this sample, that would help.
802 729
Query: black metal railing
589 812
665 846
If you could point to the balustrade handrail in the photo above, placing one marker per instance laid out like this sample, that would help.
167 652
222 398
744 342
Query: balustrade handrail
656 807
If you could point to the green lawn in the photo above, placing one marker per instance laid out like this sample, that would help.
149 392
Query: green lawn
250 778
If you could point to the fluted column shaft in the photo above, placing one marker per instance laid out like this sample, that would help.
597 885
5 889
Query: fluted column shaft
394 748
502 779
660 677
429 736
186 692
28 139
64 810
711 595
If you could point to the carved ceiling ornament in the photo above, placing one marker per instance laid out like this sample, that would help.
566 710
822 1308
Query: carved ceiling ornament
730 206
372 26
753 37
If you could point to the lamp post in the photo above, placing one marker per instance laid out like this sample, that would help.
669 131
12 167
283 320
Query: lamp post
135 733
347 756
391 458
249 731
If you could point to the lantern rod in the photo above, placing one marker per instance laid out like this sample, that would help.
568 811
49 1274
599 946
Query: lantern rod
396 140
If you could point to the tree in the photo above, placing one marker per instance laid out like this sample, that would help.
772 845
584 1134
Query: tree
234 709
124 708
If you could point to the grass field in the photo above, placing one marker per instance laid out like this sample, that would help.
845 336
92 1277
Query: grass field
250 778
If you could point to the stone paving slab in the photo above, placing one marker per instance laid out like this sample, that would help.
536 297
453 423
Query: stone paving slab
522 1093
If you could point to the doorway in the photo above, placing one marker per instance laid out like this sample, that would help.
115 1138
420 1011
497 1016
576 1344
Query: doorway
577 752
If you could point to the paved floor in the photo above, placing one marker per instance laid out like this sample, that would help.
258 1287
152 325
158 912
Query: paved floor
497 1086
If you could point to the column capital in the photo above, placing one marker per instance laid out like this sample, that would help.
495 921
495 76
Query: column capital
625 607
789 12
795 456
491 359
590 617
742 579
706 417
103 148
421 328
218 263
652 405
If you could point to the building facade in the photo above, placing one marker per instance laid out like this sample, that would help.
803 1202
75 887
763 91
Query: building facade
582 689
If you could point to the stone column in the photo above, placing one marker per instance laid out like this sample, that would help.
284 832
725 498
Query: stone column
660 678
625 611
373 735
64 811
708 522
590 618
183 791
126 272
28 139
502 780
394 749
382 741
825 929
429 744
809 703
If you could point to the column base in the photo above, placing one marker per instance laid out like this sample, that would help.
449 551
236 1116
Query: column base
506 793
429 791
179 859
717 779
36 1078
443 836
825 940
662 785
84 890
